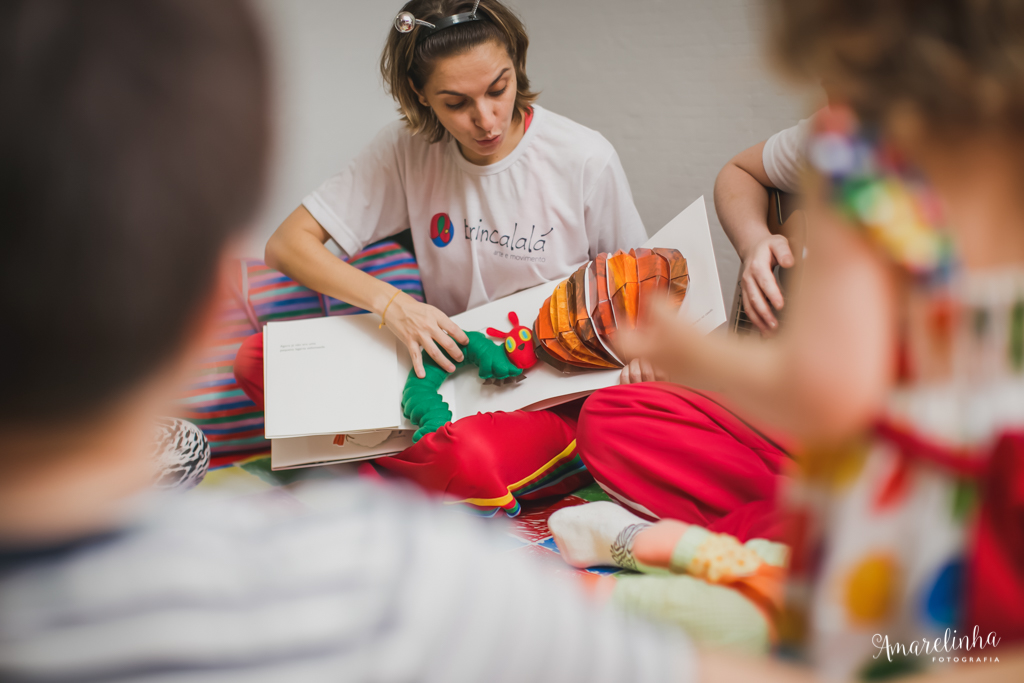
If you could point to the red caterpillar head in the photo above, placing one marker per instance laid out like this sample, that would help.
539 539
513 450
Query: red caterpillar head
518 343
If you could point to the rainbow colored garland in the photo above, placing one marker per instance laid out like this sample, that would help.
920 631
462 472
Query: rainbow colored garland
872 186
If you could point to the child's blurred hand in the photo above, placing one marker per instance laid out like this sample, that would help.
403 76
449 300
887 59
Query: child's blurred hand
664 341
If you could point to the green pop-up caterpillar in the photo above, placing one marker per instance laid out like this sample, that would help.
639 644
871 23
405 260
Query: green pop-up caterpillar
422 403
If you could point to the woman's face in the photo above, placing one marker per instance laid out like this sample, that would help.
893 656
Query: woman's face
473 95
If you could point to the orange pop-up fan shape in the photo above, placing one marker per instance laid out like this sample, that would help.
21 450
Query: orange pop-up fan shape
576 325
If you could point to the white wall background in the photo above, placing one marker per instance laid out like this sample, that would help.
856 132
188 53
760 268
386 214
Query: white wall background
678 86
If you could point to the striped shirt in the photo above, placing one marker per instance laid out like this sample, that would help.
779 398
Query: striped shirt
353 583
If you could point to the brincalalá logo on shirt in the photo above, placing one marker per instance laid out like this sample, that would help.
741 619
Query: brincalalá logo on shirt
519 245
441 230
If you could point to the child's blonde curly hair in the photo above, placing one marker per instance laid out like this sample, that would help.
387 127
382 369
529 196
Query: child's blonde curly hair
958 63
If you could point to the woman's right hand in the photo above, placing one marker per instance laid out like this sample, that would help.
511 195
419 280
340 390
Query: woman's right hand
758 286
297 250
421 327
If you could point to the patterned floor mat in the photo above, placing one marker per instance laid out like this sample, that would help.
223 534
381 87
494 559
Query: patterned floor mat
528 532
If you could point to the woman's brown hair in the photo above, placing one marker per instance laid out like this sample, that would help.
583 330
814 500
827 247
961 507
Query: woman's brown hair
406 58
958 63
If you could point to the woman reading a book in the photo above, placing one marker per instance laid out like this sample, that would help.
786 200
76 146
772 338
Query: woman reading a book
499 194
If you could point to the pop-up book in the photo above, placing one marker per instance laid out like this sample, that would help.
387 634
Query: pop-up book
341 389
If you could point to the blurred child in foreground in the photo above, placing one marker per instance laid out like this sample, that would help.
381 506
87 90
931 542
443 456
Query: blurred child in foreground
901 367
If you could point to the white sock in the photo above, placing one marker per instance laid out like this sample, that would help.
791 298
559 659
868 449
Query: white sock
596 535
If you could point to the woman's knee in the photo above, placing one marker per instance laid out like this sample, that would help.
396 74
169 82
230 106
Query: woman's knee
610 412
608 402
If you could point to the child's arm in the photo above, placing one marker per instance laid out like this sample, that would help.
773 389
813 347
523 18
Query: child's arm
741 201
297 249
828 372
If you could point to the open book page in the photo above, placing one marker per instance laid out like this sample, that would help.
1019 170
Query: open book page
330 375
309 451
690 233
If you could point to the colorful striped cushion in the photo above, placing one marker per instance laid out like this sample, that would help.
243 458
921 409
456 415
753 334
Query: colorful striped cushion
273 296
214 401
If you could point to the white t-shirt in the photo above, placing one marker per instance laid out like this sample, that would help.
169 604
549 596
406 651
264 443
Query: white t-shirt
484 232
784 156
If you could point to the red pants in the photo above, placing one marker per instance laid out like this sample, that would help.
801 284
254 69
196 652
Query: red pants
493 461
669 452
663 450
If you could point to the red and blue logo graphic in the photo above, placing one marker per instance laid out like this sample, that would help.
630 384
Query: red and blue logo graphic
441 230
